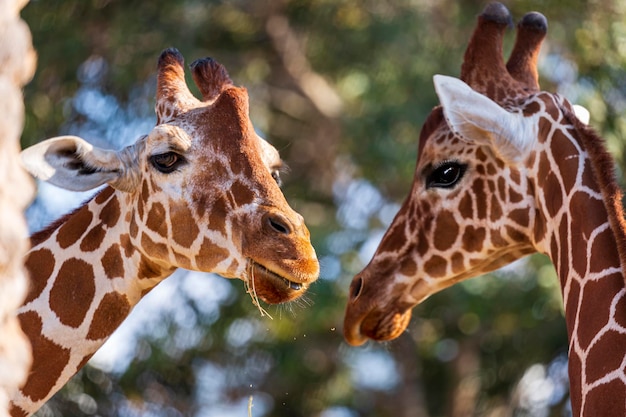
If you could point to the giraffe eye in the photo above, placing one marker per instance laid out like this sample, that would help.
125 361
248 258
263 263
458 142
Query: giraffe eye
445 175
166 162
276 176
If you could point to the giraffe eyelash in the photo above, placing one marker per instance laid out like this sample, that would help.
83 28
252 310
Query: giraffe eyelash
445 174
276 172
167 162
277 178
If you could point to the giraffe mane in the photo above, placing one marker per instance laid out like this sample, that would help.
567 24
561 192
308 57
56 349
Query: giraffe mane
45 233
604 171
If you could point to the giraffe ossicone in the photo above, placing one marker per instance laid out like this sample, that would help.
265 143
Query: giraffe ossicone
505 170
200 192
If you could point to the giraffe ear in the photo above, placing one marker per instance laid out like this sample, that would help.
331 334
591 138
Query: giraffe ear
582 113
479 119
74 164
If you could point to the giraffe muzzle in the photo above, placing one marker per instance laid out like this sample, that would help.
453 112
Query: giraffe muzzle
366 318
376 325
281 262
272 287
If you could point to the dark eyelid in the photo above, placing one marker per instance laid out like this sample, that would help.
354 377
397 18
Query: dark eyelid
279 166
167 169
276 176
174 147
431 170
446 162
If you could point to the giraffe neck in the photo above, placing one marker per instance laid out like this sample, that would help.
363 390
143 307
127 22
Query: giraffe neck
86 276
584 237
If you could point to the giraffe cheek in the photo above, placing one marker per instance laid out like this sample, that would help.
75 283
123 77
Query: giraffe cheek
446 231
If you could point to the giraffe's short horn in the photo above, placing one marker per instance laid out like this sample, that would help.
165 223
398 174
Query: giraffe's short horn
522 64
497 12
211 77
173 95
483 59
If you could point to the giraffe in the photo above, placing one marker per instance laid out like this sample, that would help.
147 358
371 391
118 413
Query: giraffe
505 170
200 192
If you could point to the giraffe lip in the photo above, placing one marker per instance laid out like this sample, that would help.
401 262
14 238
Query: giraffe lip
353 335
376 324
264 271
271 287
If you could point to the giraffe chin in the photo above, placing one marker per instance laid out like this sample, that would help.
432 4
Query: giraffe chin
273 288
378 326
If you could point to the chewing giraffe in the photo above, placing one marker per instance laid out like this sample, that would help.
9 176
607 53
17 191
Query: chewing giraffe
198 192
505 170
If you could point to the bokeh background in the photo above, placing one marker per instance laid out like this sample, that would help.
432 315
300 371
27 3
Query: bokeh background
341 88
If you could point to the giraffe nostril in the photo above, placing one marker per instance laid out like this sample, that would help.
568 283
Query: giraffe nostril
355 288
278 224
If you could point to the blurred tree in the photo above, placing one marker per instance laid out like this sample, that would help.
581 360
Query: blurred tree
341 88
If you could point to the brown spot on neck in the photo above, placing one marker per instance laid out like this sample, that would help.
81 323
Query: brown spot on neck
112 262
40 264
110 313
110 213
104 195
93 239
158 250
15 411
210 255
127 244
75 226
49 359
150 269
73 292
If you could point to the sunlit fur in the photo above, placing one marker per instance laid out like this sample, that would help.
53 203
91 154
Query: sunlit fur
198 192
558 197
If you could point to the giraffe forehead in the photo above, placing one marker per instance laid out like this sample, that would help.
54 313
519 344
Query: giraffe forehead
444 145
169 137
201 132
216 157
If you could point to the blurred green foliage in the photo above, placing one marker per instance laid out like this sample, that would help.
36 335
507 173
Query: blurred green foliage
341 89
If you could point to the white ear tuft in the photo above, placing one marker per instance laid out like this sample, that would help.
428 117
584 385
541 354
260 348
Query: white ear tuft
478 119
582 113
72 163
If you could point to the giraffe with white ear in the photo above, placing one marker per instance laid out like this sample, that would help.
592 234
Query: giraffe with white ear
198 192
505 170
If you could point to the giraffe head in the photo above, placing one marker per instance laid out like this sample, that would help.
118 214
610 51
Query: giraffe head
200 191
471 208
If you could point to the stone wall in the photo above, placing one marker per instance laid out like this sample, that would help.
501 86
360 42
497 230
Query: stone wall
17 66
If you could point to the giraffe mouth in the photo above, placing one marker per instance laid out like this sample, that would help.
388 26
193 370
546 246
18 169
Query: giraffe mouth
375 325
296 286
272 287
